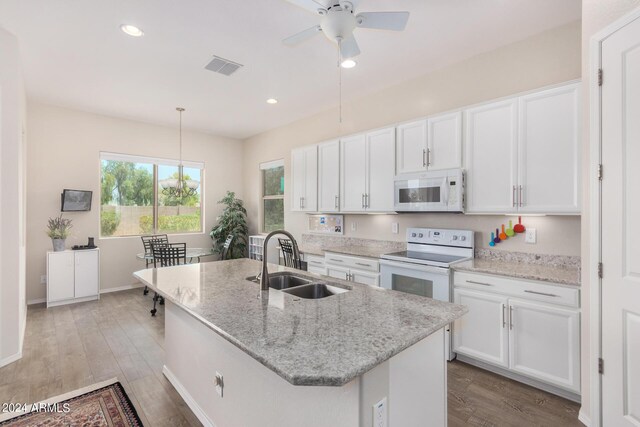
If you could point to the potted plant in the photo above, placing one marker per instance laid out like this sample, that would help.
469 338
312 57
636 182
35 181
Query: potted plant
58 231
232 221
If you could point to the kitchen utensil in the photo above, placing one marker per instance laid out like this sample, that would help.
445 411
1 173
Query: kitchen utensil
510 231
519 228
491 242
503 235
497 238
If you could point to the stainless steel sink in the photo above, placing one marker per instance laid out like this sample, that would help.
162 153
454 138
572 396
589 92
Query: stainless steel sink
283 281
314 291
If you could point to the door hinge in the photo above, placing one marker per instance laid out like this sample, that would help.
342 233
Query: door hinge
600 172
600 78
600 268
600 366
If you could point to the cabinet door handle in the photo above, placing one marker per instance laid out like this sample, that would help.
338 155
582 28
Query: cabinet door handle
362 200
302 202
520 196
541 293
337 204
428 156
479 283
366 200
510 317
513 196
424 158
504 316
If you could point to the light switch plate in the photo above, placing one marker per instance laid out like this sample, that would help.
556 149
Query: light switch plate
43 280
219 382
354 226
530 235
394 227
380 413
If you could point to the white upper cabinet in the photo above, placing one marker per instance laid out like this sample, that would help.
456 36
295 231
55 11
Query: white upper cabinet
380 170
444 141
353 173
549 151
411 154
304 179
491 157
329 176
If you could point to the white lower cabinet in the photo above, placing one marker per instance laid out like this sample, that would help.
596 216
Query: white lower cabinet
315 264
72 276
528 337
353 269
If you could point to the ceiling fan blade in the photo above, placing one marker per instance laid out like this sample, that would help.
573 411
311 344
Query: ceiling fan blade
302 36
395 21
349 47
311 5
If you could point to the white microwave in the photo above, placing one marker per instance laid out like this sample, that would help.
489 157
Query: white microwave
435 191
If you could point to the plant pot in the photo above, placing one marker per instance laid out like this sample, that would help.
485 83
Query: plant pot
58 245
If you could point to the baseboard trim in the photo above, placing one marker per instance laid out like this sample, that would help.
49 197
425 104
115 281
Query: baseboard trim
121 288
10 359
584 418
72 301
36 301
574 397
191 403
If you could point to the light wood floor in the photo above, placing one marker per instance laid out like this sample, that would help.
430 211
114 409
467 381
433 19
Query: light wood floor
77 345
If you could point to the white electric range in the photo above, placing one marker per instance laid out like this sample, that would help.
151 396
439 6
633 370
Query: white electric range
423 269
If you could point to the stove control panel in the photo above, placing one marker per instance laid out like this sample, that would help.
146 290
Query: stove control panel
440 236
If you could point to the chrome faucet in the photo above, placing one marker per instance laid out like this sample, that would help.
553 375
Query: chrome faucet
264 275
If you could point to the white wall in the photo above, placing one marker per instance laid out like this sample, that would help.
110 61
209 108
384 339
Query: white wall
548 58
12 224
64 153
596 14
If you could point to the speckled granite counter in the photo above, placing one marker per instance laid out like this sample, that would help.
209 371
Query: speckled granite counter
564 275
326 342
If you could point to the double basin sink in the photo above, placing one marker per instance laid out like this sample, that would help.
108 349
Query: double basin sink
299 286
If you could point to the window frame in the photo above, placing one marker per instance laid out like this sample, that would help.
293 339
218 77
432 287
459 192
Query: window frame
154 162
263 167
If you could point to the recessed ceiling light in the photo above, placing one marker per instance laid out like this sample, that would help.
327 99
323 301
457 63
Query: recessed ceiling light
348 63
131 30
272 101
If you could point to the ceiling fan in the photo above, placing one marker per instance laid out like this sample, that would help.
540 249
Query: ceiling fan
338 20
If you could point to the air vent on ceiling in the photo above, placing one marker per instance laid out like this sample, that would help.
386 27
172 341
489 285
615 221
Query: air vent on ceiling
223 66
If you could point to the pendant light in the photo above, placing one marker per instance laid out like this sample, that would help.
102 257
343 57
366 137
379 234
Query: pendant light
180 187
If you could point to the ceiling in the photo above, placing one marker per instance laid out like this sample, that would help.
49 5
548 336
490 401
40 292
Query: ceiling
75 55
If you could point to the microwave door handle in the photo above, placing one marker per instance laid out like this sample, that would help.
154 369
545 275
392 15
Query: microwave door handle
445 185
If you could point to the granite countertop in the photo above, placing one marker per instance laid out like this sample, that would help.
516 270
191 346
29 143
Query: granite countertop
324 342
361 251
563 275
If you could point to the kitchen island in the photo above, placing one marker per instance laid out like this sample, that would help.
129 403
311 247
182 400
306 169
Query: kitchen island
290 361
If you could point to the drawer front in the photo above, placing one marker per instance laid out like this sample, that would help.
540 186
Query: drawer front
314 260
358 263
526 289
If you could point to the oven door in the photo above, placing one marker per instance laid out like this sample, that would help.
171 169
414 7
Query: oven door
427 281
421 194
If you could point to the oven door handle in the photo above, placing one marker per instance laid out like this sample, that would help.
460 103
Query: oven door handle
416 267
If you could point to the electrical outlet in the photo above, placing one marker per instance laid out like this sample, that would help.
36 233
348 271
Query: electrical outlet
394 227
43 280
530 235
219 382
380 413
354 226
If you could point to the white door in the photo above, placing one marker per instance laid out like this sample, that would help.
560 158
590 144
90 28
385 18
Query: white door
544 343
60 276
549 151
482 333
491 157
366 278
298 175
353 173
621 236
381 146
411 154
310 198
337 272
444 141
329 176
87 273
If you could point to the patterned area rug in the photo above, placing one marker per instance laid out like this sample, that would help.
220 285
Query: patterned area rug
103 404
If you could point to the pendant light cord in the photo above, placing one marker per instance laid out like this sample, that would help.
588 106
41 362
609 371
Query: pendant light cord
180 169
340 80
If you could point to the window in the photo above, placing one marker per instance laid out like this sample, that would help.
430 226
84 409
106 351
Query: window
132 200
272 195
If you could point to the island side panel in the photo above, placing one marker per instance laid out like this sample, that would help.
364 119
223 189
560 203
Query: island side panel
253 395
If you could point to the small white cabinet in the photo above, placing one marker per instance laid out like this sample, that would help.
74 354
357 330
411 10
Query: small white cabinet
367 171
73 276
411 153
329 176
304 179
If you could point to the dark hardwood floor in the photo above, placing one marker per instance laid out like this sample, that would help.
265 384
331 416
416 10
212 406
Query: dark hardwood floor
77 345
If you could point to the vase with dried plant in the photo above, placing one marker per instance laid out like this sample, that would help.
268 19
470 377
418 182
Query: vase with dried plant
58 230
